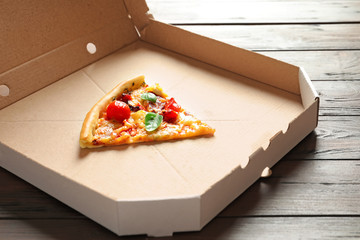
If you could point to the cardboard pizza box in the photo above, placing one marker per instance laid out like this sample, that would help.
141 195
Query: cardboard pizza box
75 52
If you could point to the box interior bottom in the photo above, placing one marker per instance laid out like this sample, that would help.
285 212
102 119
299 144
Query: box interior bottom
45 126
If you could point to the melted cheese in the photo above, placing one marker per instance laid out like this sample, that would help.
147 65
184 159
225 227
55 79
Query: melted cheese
187 119
157 90
138 118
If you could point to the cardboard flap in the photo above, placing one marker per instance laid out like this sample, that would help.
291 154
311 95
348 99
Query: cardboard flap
43 42
138 12
176 215
308 92
240 61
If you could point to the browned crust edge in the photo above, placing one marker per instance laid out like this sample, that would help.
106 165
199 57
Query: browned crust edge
90 121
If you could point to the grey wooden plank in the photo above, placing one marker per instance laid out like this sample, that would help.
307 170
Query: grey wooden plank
284 37
230 11
336 138
277 228
322 172
338 97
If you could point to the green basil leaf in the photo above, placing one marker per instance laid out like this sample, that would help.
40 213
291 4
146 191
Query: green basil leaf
152 121
149 96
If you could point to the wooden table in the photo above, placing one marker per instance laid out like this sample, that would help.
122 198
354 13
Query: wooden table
314 192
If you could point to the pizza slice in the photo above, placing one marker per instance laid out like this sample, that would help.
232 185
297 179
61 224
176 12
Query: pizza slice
134 112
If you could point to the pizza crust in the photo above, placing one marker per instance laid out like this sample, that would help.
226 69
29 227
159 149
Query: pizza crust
90 122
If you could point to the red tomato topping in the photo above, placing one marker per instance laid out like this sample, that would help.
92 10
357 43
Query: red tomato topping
171 104
170 116
118 110
125 97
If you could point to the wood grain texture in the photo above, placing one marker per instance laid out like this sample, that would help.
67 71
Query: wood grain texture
284 37
336 137
339 97
276 228
251 12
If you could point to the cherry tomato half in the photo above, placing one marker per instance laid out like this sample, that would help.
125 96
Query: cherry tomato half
118 110
171 104
170 116
125 97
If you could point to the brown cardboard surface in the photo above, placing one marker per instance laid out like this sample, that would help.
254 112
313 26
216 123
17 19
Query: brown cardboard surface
56 26
56 34
245 113
260 107
138 12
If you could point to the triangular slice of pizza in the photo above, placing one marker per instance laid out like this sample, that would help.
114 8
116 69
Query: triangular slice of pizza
134 112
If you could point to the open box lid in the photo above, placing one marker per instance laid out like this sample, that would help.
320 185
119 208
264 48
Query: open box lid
57 47
43 42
